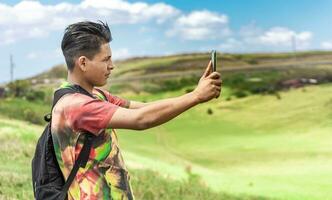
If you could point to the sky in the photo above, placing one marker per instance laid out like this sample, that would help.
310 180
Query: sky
32 31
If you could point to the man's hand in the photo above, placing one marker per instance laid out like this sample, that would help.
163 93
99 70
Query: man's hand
209 85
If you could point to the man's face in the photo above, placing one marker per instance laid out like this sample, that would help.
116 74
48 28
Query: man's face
99 68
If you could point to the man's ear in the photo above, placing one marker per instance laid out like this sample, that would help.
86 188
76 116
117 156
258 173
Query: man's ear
81 63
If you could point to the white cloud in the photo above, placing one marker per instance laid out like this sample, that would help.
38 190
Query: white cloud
250 30
144 29
231 45
31 19
121 11
326 45
29 12
11 35
35 55
119 54
36 32
284 36
252 38
200 25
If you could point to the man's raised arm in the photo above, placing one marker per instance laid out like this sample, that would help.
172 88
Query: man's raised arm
162 111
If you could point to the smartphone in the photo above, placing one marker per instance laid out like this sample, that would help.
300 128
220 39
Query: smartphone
214 60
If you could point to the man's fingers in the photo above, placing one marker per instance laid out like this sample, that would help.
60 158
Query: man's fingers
214 75
218 92
218 88
208 69
216 82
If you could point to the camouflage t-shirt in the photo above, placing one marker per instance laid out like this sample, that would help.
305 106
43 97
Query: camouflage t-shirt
105 175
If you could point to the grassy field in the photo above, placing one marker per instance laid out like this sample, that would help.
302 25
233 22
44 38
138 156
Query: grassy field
258 145
250 148
18 139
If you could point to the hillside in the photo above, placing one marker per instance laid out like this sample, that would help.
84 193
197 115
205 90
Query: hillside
153 74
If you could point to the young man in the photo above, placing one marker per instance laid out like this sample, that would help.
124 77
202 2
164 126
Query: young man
88 55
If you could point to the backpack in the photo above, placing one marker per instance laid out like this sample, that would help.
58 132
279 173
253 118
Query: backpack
47 179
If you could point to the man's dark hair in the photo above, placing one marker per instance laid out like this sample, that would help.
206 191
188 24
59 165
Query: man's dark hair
84 39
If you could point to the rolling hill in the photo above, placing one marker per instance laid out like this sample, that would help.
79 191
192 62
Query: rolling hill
155 74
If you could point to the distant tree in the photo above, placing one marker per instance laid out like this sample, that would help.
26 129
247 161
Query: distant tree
18 88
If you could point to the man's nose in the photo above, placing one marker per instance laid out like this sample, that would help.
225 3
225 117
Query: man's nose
111 66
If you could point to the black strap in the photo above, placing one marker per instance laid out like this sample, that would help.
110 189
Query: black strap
81 161
58 94
102 92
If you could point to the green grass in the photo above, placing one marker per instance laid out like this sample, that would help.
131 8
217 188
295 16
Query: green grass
17 148
253 147
150 185
256 145
22 109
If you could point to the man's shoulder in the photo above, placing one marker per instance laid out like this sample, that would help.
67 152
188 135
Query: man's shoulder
72 99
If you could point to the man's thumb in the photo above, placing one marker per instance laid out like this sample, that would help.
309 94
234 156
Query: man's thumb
208 70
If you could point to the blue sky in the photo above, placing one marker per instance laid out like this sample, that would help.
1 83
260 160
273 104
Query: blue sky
32 30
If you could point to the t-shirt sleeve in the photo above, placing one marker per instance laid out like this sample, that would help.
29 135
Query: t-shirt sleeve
116 100
90 115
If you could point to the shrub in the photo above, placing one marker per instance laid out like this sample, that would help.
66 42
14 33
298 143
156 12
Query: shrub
21 109
188 90
174 84
32 116
252 61
240 94
18 88
34 95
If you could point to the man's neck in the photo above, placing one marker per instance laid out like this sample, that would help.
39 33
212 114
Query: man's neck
85 85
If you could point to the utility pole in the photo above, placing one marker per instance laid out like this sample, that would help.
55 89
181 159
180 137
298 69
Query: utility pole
11 68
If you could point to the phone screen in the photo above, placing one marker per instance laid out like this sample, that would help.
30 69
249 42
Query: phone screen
214 60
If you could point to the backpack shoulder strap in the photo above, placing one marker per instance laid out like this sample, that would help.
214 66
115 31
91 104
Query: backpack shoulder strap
68 89
81 161
83 156
57 96
102 94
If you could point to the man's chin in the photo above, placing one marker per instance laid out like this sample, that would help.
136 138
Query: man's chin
101 84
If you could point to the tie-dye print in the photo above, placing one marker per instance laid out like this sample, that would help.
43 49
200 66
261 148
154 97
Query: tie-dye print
105 175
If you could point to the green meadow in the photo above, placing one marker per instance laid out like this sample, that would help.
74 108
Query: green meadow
254 142
254 146
18 139
259 145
